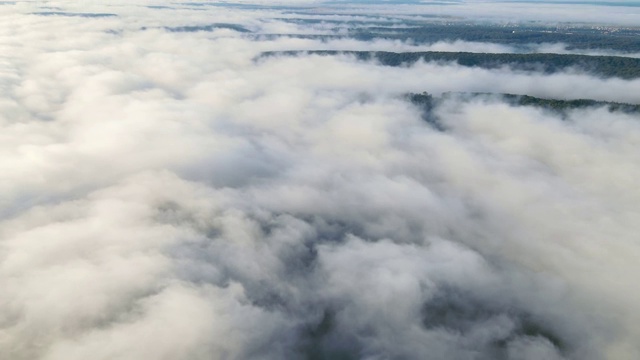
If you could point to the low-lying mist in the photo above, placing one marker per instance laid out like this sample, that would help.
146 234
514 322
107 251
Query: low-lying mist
170 195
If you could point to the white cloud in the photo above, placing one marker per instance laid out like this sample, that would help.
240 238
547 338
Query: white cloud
165 195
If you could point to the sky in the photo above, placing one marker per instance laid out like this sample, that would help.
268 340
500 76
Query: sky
174 195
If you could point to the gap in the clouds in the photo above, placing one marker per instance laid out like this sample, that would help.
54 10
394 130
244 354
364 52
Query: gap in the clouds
160 7
74 14
319 341
246 6
428 104
603 66
207 28
440 28
458 311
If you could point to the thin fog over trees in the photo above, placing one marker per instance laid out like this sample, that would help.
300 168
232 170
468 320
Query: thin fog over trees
319 180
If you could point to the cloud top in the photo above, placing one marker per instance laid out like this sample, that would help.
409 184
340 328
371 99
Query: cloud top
166 195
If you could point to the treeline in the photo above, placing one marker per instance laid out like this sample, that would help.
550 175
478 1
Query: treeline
204 28
604 66
583 38
575 38
562 105
428 102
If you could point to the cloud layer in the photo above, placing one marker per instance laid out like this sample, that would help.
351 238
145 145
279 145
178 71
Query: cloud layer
165 195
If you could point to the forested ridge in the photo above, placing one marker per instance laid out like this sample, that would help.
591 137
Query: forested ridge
428 101
521 36
576 38
605 66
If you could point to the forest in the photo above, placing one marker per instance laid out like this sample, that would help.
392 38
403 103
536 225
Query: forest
428 102
603 66
626 40
580 37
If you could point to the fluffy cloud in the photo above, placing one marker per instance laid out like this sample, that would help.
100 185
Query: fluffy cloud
167 195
